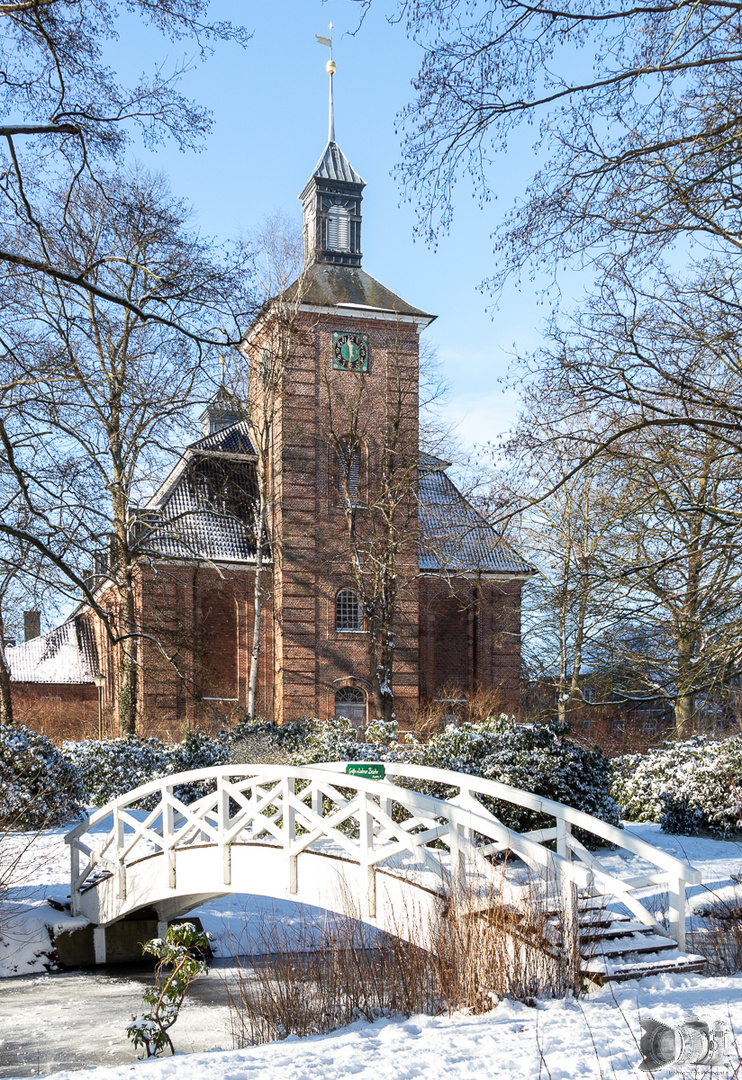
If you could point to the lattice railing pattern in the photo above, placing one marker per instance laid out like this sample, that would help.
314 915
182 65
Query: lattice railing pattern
377 824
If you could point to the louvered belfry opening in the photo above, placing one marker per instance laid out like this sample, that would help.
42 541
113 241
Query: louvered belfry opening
331 203
338 228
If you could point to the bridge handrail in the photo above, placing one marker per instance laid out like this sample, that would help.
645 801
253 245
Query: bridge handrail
465 813
474 784
464 817
539 803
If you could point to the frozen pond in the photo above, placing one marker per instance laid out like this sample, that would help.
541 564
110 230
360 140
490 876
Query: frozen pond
78 1019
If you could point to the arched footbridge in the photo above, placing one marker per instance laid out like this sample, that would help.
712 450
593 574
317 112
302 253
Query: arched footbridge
364 841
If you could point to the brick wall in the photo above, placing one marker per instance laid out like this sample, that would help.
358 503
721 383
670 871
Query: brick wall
470 638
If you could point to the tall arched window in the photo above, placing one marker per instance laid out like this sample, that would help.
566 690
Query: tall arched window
348 610
338 229
350 702
349 470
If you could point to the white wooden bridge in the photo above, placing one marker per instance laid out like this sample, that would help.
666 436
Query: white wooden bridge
318 836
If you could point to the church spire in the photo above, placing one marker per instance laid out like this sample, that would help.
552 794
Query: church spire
331 200
331 69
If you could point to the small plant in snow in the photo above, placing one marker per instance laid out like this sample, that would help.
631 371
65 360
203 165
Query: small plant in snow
180 956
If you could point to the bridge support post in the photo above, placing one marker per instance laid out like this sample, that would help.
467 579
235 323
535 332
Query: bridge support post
118 841
226 849
676 909
368 870
288 788
168 837
99 944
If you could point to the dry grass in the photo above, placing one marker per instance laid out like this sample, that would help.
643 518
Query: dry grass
721 941
323 977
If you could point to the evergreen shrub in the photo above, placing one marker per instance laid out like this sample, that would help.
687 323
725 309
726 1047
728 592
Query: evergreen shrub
111 767
689 787
39 787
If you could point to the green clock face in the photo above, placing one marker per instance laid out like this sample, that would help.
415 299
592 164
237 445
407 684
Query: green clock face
349 351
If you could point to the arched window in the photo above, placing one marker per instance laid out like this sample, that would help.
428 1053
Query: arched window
348 610
349 470
338 229
350 702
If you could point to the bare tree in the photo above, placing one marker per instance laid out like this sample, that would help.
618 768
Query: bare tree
276 261
661 571
636 109
67 111
102 391
571 605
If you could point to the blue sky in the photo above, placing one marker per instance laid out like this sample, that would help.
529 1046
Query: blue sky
269 105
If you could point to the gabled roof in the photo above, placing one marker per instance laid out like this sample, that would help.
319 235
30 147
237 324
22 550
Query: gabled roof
67 654
233 439
209 512
335 167
328 285
454 537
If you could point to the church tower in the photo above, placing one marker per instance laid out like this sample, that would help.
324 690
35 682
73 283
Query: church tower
345 440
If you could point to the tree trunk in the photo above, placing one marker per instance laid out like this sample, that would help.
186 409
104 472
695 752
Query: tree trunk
128 674
6 701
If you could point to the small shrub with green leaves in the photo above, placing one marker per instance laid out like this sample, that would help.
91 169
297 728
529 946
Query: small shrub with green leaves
181 955
39 787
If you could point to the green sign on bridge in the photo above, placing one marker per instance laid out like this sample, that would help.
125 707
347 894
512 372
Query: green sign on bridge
371 770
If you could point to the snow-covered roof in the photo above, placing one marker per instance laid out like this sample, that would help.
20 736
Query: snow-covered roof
67 654
454 537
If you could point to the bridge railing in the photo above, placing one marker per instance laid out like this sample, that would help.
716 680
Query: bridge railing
377 824
671 874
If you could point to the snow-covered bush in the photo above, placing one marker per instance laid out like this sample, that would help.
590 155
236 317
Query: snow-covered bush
111 767
196 751
264 740
688 787
334 740
639 780
537 758
38 786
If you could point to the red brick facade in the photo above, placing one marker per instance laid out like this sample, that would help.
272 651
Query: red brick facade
456 625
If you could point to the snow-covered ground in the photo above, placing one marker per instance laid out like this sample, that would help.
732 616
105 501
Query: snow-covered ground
596 1036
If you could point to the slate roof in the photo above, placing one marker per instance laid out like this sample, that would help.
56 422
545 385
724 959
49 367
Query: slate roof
233 439
67 654
209 511
454 537
334 166
328 285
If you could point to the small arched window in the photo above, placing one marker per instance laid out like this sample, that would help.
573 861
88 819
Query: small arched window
348 610
338 229
349 471
350 702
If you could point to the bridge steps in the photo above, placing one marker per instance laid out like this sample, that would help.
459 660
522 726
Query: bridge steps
614 948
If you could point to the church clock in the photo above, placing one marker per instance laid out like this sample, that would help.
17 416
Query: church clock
349 351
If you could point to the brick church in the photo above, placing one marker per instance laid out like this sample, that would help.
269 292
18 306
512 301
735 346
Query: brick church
377 576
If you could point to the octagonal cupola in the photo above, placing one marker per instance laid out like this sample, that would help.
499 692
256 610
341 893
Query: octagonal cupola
331 202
